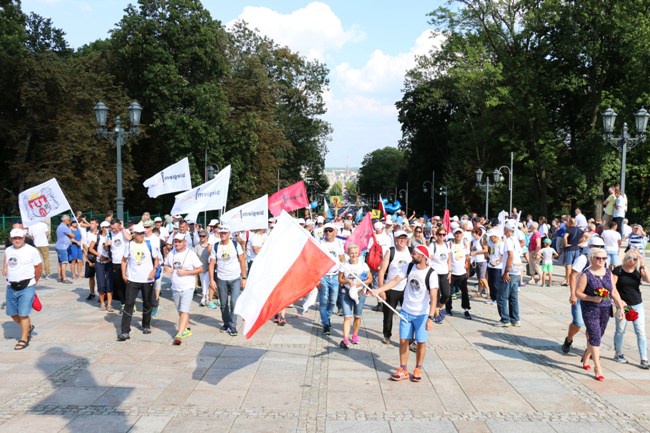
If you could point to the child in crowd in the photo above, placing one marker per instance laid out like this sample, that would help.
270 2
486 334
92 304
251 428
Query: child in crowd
547 254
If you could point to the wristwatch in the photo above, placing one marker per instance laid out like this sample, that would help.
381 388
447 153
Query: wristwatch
432 318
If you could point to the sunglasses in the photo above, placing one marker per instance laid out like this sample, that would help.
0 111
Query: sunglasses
176 241
328 230
202 236
418 231
19 237
636 259
600 258
441 234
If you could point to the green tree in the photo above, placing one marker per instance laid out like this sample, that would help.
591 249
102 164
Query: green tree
380 170
336 189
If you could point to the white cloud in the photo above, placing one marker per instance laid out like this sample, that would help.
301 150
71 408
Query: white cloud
383 71
313 30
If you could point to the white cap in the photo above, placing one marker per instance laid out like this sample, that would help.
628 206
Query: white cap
454 225
378 225
596 241
454 218
272 220
157 220
301 221
330 226
105 224
510 225
457 230
320 219
389 220
189 221
309 222
399 233
213 222
17 233
224 229
179 237
138 228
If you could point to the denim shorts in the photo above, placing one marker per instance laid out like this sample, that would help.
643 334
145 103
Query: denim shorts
613 258
62 255
416 326
576 314
19 302
570 256
349 307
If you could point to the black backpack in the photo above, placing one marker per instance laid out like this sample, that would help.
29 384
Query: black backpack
426 279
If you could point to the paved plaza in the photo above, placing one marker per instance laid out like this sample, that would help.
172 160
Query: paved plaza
75 376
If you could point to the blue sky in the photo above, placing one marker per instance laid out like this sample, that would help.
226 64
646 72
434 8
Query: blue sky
367 45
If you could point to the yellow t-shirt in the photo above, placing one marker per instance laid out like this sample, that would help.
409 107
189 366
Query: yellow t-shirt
611 200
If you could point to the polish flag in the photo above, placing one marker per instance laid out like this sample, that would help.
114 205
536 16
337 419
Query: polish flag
361 234
288 267
290 198
381 207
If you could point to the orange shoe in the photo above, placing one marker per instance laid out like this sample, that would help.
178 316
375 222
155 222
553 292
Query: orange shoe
417 375
400 374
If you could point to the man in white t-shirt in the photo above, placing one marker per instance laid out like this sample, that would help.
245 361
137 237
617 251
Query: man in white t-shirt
612 239
117 238
139 263
418 308
228 275
40 232
581 220
460 259
620 207
508 299
184 265
256 239
328 288
22 269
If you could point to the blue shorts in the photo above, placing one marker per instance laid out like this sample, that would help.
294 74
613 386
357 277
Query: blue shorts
576 314
570 256
349 306
19 302
613 258
416 325
62 255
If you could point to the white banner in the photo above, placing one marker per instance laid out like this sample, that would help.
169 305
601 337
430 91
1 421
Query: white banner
249 216
42 202
174 178
211 195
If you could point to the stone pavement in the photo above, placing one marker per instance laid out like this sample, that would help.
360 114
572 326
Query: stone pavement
75 376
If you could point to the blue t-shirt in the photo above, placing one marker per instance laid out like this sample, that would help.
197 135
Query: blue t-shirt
561 230
62 238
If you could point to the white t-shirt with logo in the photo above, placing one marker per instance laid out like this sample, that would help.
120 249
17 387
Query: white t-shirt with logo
187 260
334 249
20 263
227 260
477 246
496 254
511 244
360 269
139 262
118 246
401 259
417 298
38 232
254 240
439 255
459 253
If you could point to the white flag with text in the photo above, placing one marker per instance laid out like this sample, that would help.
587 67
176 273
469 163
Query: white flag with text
211 195
249 216
42 202
174 178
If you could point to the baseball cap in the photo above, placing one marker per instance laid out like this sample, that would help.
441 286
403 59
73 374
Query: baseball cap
422 250
454 225
457 230
189 221
510 225
454 218
105 224
330 226
309 222
179 237
399 233
596 241
138 228
301 221
378 225
224 229
213 222
148 223
320 219
157 220
17 233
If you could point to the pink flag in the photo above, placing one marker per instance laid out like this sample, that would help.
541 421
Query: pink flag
289 266
290 198
361 235
446 221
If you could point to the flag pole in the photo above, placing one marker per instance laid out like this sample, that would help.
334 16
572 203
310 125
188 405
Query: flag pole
370 290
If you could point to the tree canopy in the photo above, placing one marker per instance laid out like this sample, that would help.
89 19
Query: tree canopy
232 94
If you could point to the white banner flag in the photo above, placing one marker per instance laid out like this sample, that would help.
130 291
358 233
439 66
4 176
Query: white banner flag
174 178
211 195
42 202
249 216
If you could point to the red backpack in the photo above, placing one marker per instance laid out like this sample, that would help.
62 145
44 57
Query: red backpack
375 255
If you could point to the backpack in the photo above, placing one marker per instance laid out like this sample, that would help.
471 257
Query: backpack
90 256
375 255
426 279
159 268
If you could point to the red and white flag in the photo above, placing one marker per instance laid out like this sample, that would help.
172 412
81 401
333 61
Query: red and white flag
290 198
361 234
289 265
381 207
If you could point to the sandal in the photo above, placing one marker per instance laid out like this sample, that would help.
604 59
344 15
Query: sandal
400 374
21 345
417 375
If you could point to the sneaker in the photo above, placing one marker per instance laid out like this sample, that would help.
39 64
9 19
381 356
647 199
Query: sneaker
400 374
109 308
186 333
454 296
449 312
212 305
339 312
327 329
146 330
548 284
135 309
620 358
467 315
517 324
90 297
102 307
154 311
282 321
644 364
218 303
502 324
66 282
121 309
202 303
344 344
232 332
385 340
177 340
376 307
123 336
355 339
276 319
566 346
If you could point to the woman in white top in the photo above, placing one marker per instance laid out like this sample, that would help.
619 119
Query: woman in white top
478 250
441 263
353 294
495 248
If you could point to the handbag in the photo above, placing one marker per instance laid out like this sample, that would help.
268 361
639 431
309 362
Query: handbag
36 305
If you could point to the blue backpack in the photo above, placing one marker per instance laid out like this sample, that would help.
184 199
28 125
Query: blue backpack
159 268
